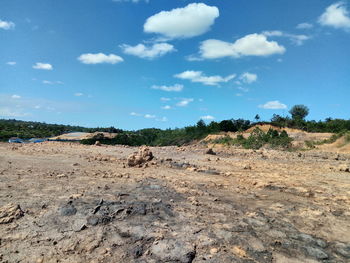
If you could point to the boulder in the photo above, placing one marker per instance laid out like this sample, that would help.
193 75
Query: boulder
143 156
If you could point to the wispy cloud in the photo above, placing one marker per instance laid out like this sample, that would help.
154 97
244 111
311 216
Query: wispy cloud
184 102
199 77
207 117
78 94
295 39
15 96
150 52
175 88
49 82
11 63
100 58
304 26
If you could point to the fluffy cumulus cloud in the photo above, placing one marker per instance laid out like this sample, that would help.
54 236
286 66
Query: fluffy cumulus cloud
336 15
99 58
6 25
193 20
154 51
198 76
176 87
207 117
249 45
248 77
273 105
184 102
304 26
44 66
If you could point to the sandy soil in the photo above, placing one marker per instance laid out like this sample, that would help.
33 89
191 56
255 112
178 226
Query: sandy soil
63 202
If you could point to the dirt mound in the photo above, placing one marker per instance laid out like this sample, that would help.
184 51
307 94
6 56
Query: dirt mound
266 127
342 145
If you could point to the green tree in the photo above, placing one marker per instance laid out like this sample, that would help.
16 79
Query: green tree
299 112
257 117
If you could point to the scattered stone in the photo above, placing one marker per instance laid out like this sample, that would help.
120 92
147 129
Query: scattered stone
344 168
210 151
97 143
62 175
9 213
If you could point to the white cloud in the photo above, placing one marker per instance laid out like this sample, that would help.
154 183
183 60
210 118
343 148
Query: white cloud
44 66
135 114
198 76
295 39
37 107
99 58
336 15
142 51
249 45
6 25
243 89
78 94
11 63
163 119
273 105
248 77
49 82
184 102
193 20
15 96
304 26
165 99
207 117
150 116
8 112
175 88
166 107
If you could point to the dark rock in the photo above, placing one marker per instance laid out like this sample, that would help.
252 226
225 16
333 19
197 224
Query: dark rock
210 151
68 210
316 253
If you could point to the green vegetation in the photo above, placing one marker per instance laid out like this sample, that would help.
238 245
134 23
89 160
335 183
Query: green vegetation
258 139
181 136
31 129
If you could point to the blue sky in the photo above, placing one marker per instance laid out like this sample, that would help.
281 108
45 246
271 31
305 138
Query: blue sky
156 63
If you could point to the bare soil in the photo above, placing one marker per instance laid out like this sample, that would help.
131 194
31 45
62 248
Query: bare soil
65 202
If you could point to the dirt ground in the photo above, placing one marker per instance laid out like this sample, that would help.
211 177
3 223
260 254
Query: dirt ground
65 202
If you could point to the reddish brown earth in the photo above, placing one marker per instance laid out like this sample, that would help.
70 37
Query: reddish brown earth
62 202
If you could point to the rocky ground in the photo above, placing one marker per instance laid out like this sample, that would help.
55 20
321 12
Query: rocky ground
62 202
